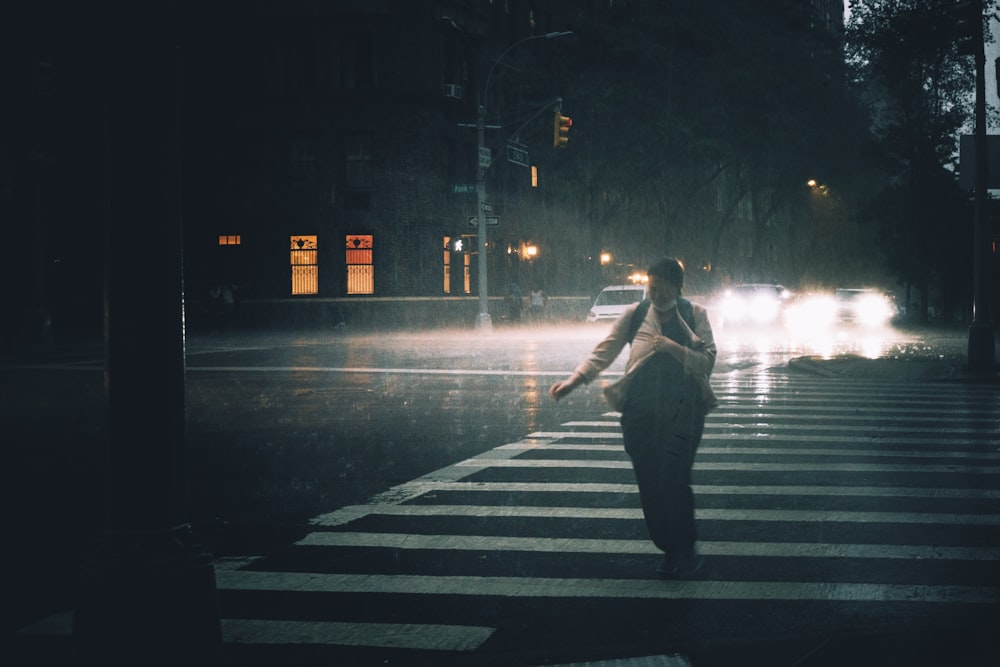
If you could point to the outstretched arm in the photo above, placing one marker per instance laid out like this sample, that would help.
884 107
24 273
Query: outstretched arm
564 387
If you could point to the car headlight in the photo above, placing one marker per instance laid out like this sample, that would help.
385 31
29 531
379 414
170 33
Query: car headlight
764 309
873 311
815 313
734 308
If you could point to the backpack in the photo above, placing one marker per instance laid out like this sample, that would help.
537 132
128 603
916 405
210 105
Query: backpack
684 309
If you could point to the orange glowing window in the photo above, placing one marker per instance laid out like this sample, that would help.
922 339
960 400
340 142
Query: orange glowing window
304 265
229 240
360 267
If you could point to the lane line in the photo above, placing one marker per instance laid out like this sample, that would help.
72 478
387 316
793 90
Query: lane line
411 541
545 587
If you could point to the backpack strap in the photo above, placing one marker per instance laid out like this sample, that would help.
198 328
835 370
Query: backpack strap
638 315
686 311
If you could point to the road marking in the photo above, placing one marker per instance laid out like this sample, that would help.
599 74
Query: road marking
778 451
546 587
379 371
989 428
642 547
419 488
428 636
725 514
740 466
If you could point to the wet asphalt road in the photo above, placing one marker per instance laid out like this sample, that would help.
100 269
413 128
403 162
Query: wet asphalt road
284 427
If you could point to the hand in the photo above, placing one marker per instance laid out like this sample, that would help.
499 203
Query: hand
666 344
564 387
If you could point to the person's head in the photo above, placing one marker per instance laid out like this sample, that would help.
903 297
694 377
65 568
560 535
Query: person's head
666 278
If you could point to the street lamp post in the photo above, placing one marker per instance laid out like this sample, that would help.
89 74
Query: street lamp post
483 161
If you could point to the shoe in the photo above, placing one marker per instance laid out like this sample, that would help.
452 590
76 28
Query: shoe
669 569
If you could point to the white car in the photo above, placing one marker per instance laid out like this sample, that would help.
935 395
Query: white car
614 300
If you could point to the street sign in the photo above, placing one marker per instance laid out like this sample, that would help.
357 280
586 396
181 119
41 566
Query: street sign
459 188
485 156
491 221
517 155
487 207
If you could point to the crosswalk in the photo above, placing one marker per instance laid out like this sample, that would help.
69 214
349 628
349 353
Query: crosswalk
862 501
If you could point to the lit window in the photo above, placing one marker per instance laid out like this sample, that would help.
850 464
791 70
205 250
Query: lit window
304 265
229 240
360 270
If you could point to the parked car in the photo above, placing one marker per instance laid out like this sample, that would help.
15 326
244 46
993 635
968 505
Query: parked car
613 300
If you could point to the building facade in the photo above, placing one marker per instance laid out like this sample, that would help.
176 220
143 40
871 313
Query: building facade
338 152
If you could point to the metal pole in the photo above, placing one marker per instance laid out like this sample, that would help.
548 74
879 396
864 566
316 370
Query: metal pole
982 342
484 323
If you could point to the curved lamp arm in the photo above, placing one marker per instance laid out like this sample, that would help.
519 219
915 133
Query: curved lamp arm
489 76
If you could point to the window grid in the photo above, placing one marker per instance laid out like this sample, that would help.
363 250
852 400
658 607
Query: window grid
360 267
304 265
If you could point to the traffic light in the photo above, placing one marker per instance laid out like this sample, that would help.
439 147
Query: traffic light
560 130
968 16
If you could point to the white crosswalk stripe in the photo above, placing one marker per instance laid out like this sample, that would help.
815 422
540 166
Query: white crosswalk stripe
791 470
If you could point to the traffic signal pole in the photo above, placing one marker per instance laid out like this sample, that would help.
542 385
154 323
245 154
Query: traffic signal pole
484 323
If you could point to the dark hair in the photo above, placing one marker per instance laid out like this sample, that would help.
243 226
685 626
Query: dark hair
669 269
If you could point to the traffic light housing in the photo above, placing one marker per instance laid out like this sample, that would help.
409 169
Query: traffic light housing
560 130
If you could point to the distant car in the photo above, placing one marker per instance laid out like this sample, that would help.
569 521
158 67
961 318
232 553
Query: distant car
614 300
864 307
819 312
753 304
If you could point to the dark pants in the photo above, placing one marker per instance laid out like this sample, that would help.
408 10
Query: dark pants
662 452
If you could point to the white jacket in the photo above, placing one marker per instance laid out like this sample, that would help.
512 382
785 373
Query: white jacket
699 359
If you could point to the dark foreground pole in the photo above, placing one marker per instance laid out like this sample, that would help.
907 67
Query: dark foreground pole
982 339
147 593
